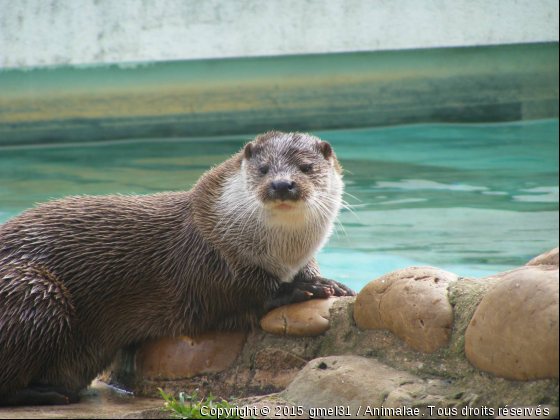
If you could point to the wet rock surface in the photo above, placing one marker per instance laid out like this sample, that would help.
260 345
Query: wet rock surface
98 402
412 303
305 319
514 331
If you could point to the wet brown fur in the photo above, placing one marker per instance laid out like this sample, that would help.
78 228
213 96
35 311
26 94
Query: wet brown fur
84 276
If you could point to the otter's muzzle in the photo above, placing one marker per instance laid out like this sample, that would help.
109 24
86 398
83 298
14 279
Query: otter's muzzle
283 190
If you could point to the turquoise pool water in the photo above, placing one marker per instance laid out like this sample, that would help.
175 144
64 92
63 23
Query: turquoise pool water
473 199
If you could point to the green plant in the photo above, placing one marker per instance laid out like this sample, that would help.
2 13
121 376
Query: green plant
188 407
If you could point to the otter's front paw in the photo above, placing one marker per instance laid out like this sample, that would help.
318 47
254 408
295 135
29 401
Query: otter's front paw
303 290
339 288
297 292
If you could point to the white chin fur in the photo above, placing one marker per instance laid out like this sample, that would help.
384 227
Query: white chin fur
292 217
287 238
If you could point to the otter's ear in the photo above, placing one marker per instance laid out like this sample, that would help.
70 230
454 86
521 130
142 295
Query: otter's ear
248 152
326 149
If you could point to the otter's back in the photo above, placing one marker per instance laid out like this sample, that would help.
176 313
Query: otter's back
103 249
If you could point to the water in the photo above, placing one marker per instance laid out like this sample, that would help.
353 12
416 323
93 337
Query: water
472 199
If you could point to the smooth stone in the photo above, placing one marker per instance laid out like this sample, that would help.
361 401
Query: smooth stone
514 331
412 303
185 357
548 258
355 383
305 319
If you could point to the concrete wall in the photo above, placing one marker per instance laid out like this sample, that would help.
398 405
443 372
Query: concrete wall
41 32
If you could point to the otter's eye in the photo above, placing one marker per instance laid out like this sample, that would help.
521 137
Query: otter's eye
263 170
306 168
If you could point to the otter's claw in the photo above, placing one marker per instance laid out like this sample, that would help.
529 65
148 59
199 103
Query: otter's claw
297 292
339 289
301 291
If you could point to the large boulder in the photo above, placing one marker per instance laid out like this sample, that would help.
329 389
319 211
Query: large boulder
412 303
356 383
514 331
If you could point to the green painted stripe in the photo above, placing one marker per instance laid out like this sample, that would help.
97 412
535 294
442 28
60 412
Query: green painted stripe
308 92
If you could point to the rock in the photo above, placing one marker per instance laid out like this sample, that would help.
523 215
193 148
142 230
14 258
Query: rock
276 368
268 362
277 360
514 331
548 258
185 357
306 319
354 383
412 303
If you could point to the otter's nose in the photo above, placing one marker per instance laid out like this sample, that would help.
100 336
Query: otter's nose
283 189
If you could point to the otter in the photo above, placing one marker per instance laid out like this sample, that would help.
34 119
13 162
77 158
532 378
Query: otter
84 276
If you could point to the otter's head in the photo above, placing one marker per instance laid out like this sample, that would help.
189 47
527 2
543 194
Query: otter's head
293 176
